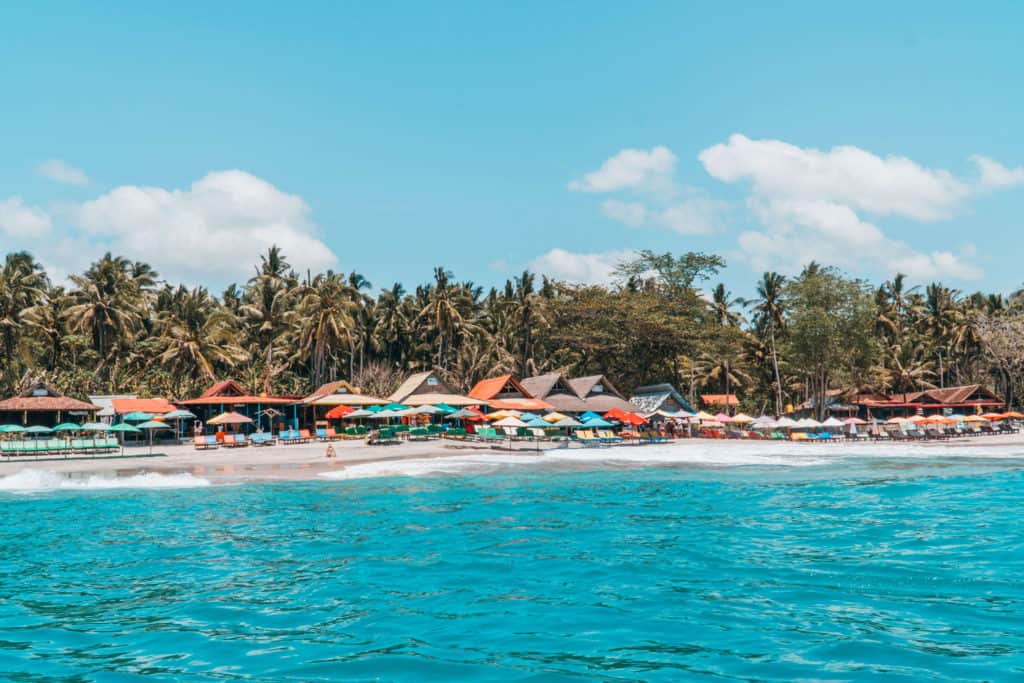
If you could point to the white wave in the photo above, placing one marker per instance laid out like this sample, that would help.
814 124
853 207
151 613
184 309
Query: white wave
43 480
695 453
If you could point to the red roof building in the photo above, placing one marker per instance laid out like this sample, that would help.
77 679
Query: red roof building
41 404
506 393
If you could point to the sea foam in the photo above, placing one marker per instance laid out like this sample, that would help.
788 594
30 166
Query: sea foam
692 453
41 480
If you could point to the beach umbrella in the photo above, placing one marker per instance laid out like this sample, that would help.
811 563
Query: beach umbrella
179 415
502 414
596 421
125 427
1013 415
538 422
589 415
807 423
355 414
722 417
832 422
153 425
740 418
67 427
526 417
702 416
445 408
854 421
786 422
614 414
374 409
509 422
137 416
38 429
569 422
338 412
95 427
974 418
230 417
633 419
896 421
763 422
425 410
11 428
916 418
555 417
395 407
992 416
957 417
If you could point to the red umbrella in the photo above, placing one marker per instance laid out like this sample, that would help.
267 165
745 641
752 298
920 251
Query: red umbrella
338 412
615 414
633 419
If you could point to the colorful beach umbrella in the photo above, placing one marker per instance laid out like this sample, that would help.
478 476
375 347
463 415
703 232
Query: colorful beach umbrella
338 412
230 417
125 427
38 429
597 421
179 415
137 416
67 427
95 427
11 428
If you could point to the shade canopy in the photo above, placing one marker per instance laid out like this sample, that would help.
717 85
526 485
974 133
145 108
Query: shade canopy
597 421
703 416
633 419
807 423
539 422
230 417
832 422
153 424
67 427
555 417
764 422
465 414
974 418
992 416
179 415
502 414
356 414
589 415
569 422
445 408
510 422
37 429
722 417
95 427
137 416
854 421
614 414
786 422
339 411
1013 415
11 428
125 427
897 421
741 418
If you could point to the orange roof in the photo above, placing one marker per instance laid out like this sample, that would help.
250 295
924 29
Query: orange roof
156 406
230 392
719 399
486 389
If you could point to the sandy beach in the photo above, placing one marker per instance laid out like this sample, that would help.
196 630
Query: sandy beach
309 461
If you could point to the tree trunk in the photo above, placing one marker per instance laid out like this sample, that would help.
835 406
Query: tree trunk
775 369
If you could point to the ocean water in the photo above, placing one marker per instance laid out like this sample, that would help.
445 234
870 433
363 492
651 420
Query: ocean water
797 567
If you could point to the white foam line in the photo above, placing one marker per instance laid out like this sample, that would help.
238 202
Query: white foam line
696 453
28 480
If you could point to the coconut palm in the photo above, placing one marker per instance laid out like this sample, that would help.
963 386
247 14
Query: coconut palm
108 304
769 314
22 286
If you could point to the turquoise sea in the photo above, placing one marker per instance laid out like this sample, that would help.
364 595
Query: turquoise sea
862 570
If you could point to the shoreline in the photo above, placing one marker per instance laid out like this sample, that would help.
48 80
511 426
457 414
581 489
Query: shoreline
303 462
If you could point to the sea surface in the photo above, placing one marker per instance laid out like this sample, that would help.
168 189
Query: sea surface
826 569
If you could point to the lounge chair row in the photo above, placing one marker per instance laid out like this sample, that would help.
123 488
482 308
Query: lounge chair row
58 446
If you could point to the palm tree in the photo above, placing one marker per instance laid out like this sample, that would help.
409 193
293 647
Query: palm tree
768 309
326 314
529 314
108 304
442 311
196 335
267 307
47 319
22 285
390 324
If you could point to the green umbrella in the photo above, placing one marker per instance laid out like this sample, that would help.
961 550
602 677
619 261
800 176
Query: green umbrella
138 416
67 427
125 427
95 427
11 428
179 415
38 429
150 427
446 409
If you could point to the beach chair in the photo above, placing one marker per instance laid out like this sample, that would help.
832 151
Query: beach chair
331 434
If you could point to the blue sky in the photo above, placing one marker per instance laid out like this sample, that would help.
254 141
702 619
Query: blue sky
401 136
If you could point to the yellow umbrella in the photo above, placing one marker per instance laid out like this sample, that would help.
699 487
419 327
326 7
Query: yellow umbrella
554 417
741 418
975 418
502 414
701 416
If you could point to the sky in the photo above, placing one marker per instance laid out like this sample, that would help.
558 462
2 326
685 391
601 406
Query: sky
390 138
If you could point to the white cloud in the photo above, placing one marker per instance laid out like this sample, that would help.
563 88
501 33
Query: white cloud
796 232
216 228
20 221
62 172
996 176
636 169
845 175
633 214
810 204
698 216
593 268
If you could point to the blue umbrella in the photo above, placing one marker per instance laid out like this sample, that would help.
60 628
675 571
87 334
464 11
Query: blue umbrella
589 415
538 422
596 421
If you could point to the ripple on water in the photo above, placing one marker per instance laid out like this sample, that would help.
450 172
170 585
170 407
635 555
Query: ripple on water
860 570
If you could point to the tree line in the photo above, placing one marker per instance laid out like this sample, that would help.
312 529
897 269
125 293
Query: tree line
118 328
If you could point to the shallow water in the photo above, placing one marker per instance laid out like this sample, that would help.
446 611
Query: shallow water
855 568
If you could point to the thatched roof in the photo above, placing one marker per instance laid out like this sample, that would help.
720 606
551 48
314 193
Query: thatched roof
594 384
43 398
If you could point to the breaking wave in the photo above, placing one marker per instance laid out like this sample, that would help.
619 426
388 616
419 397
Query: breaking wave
42 480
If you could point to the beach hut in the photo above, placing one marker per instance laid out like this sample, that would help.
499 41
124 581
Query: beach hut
721 402
555 390
427 388
650 399
599 394
230 395
43 405
506 392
